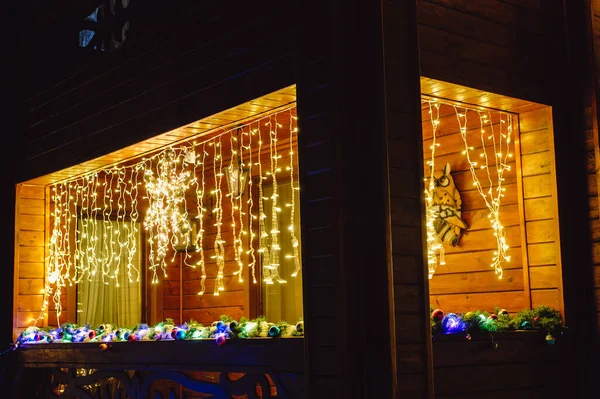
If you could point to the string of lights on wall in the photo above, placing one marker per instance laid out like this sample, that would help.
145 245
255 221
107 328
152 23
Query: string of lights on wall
494 154
435 249
96 218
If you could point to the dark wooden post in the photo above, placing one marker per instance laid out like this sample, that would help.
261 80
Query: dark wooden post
578 279
408 243
347 228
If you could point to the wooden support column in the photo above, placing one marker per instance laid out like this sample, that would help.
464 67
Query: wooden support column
571 171
345 203
407 207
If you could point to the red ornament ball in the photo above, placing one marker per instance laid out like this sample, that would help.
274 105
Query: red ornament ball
221 340
493 316
437 314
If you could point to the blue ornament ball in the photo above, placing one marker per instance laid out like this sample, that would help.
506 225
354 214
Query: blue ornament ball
452 323
180 334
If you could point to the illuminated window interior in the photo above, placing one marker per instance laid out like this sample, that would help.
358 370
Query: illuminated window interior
206 226
492 226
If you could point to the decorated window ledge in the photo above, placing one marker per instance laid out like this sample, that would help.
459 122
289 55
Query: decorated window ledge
543 319
219 331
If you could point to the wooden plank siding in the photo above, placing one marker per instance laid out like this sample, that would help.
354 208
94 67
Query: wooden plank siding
411 313
149 88
515 48
540 208
592 113
183 64
492 45
30 261
324 354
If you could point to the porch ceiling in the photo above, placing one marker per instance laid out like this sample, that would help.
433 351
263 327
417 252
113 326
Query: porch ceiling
463 95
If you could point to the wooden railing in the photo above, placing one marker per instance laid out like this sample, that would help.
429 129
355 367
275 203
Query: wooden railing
257 368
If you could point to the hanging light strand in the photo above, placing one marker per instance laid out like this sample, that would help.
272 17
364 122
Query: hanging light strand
234 168
263 249
275 209
200 235
94 218
250 202
239 244
218 210
435 249
291 228
492 201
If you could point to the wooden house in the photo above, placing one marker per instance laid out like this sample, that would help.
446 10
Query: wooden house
359 106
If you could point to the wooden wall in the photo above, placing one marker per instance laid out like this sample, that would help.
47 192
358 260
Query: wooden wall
593 147
501 46
222 57
179 64
516 48
29 256
540 209
518 368
528 213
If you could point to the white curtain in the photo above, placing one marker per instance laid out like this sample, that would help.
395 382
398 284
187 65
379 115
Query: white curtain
106 301
283 301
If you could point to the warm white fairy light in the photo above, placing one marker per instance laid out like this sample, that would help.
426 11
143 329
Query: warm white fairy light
132 245
200 235
250 201
435 249
291 227
107 231
234 167
501 154
108 203
275 234
166 218
218 211
264 249
188 162
238 246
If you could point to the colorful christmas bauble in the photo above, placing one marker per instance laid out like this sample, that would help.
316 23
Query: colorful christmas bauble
437 314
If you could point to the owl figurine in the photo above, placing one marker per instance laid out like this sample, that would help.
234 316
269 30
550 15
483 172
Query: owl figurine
447 205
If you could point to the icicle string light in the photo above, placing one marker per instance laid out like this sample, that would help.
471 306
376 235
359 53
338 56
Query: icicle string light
501 154
218 211
291 228
94 217
275 233
435 249
250 201
263 248
200 234
239 243
235 185
233 168
166 219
